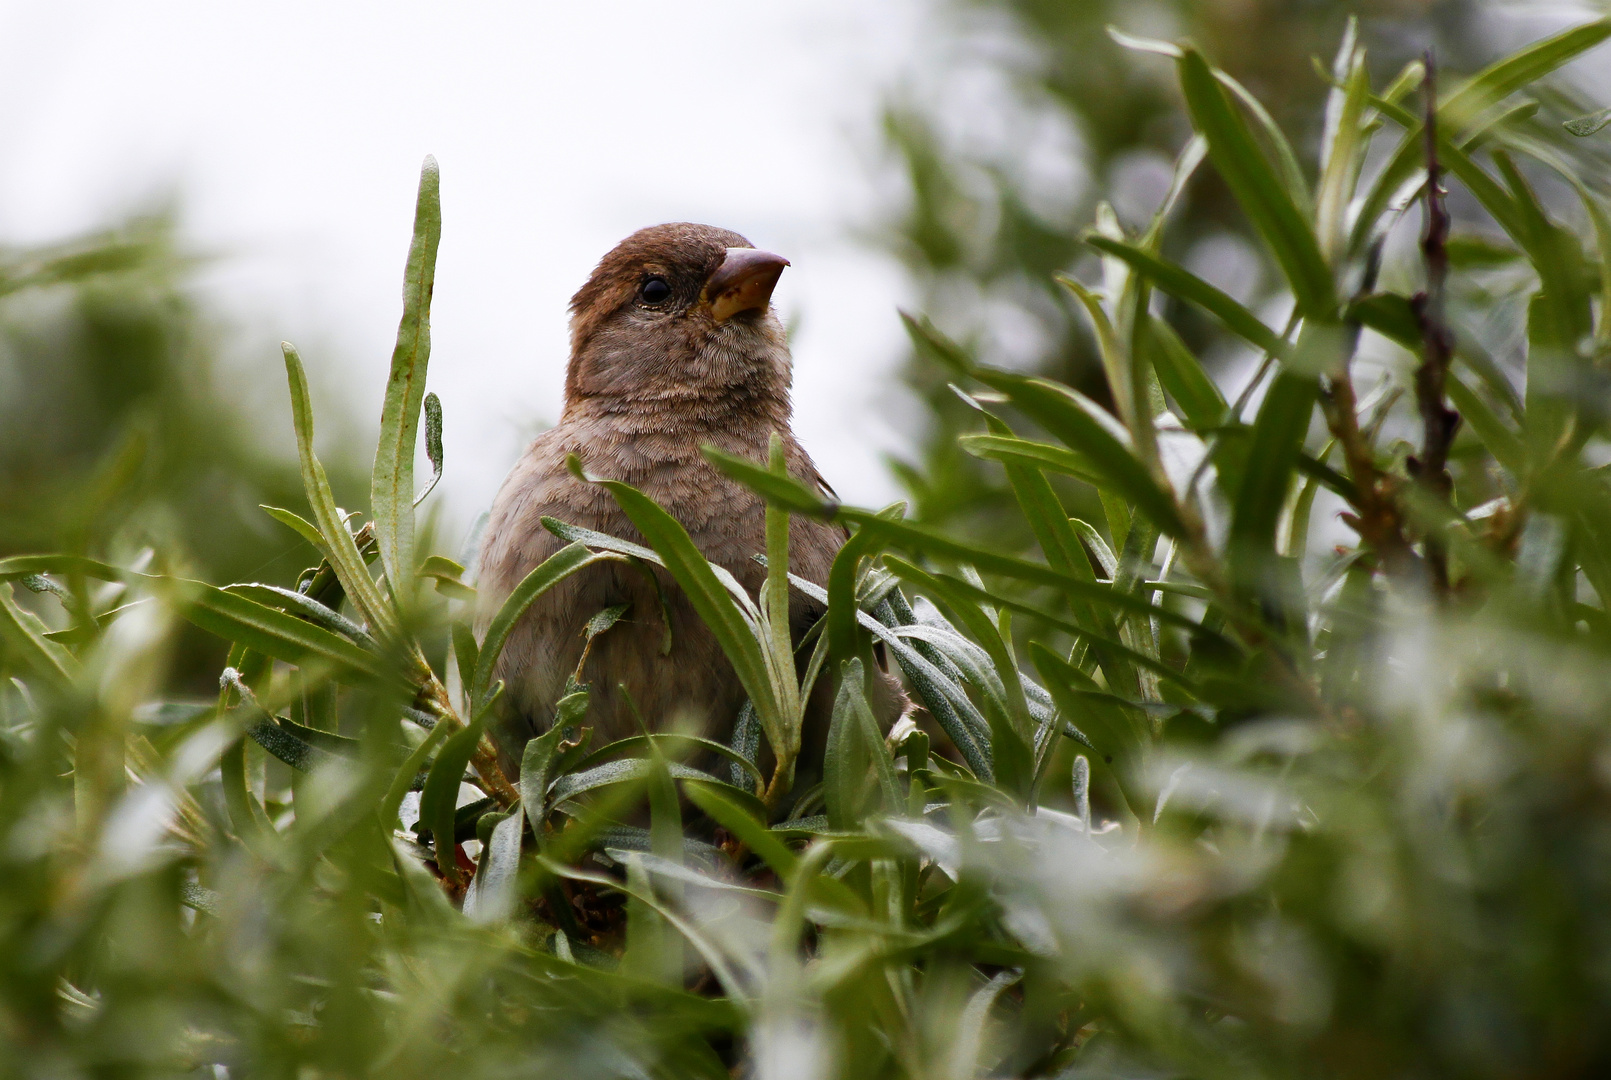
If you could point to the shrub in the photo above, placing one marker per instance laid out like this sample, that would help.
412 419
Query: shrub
1185 798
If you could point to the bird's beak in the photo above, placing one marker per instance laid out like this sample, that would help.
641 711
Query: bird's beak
743 282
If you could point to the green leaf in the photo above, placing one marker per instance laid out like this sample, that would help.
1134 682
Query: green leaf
929 341
665 817
1100 643
1179 282
299 525
1011 450
1011 731
1110 346
308 608
634 770
1390 315
947 702
1505 76
536 771
842 609
1584 126
329 741
1278 434
433 444
497 874
403 778
392 487
929 541
1344 146
296 752
556 568
713 600
575 534
440 797
777 642
465 653
61 565
750 831
271 632
1505 445
854 746
338 546
669 739
1184 378
1456 117
1258 190
23 636
778 489
1084 427
449 577
1121 739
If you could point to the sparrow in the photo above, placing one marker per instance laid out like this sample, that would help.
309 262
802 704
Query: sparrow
674 346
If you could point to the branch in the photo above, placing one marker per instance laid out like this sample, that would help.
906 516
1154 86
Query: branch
1376 517
1438 422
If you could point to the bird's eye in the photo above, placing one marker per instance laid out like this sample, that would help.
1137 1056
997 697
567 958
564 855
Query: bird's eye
654 290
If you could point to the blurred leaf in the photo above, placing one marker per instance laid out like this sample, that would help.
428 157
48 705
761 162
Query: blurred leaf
1584 126
750 831
24 636
1183 377
1278 435
440 797
1527 65
1262 196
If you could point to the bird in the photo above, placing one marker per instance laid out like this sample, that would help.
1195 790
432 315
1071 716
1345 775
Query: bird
674 345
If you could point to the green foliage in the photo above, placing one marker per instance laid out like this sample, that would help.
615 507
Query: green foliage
1185 793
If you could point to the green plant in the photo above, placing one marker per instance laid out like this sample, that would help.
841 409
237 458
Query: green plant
1249 809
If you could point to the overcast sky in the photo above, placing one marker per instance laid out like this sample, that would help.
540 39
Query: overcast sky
293 133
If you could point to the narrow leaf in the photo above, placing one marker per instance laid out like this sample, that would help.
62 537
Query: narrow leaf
392 487
558 566
1179 282
1258 190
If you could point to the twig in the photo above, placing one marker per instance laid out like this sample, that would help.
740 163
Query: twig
1376 518
1439 422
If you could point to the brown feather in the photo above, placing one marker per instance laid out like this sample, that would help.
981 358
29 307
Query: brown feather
646 386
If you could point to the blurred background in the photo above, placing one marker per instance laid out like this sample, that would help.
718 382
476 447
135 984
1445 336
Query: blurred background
185 184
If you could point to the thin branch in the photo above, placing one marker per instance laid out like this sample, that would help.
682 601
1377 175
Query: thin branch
1376 516
1438 422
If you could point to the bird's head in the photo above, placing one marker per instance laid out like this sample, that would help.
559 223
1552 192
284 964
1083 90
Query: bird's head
680 315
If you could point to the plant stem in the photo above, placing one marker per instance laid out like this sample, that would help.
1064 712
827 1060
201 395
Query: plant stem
1438 422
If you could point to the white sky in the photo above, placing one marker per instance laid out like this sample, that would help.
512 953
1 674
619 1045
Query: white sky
293 134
